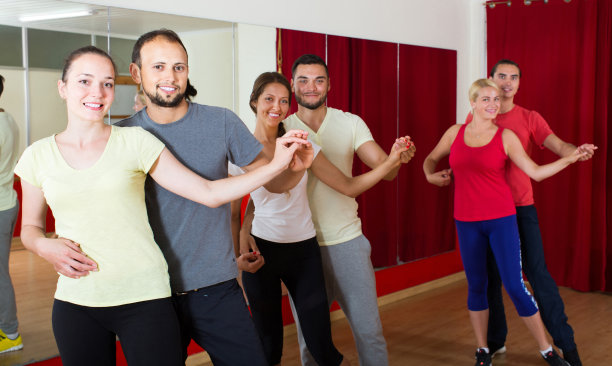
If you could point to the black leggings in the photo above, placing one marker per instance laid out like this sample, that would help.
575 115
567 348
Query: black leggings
298 265
148 332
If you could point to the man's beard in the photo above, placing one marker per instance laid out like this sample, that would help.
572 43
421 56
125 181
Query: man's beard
311 106
159 101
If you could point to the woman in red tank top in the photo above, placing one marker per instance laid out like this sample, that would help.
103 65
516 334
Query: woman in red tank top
484 210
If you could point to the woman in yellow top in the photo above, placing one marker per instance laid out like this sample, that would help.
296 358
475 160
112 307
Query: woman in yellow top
113 277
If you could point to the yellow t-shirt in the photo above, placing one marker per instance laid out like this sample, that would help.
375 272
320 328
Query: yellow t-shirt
103 209
340 135
9 145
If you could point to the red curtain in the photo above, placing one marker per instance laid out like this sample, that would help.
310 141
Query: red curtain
564 50
401 222
427 97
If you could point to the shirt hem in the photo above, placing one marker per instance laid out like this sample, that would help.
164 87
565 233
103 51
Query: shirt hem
339 241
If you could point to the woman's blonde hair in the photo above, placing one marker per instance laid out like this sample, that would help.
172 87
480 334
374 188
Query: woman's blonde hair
479 84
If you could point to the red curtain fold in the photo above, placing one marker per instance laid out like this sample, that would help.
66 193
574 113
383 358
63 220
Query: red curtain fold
564 51
427 97
401 222
373 97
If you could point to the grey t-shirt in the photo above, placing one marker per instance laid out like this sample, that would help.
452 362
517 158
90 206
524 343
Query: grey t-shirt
196 240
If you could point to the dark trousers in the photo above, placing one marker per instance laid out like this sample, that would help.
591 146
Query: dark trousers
299 266
544 287
148 332
217 319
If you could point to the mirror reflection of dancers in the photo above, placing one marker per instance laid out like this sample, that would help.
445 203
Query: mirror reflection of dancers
139 101
10 339
485 214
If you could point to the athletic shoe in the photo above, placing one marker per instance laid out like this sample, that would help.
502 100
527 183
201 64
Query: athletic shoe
482 358
553 359
7 344
572 357
496 349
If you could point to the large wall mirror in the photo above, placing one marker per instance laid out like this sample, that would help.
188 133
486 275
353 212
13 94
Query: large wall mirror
384 83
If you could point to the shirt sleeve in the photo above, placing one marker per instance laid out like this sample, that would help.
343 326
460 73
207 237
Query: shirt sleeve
149 148
234 170
362 132
26 168
242 146
539 129
316 149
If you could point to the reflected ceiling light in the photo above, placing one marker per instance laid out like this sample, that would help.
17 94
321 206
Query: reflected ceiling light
49 16
529 2
492 4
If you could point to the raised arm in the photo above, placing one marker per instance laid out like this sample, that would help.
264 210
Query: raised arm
329 174
443 177
517 154
372 155
563 149
175 177
64 254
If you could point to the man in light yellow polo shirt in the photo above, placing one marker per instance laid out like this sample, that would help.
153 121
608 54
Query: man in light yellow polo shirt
10 340
345 251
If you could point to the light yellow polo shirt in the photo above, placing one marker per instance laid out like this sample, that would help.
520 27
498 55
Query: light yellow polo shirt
103 209
9 152
340 135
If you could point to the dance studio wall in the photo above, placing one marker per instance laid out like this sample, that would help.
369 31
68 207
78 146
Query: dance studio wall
449 24
564 50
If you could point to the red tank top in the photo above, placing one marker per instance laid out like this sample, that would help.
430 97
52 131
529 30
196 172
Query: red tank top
481 191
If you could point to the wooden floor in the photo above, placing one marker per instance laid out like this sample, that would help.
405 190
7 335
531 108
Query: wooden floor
429 325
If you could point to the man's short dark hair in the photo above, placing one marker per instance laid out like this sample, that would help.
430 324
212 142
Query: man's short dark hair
308 59
1 84
504 61
167 34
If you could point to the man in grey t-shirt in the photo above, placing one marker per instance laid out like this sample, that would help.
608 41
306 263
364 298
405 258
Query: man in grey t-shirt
196 240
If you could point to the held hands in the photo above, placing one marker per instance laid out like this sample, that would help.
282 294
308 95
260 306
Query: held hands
588 150
402 150
66 257
249 261
286 147
578 155
303 156
441 178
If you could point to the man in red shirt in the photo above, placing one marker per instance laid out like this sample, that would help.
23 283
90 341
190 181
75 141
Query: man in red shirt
532 130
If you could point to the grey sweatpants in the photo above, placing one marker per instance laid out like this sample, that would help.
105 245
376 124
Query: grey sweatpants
349 280
8 308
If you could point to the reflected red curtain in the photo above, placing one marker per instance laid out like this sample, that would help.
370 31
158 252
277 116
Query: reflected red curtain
564 50
373 96
427 97
399 220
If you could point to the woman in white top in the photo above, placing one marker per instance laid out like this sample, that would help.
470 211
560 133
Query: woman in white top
283 233
113 277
